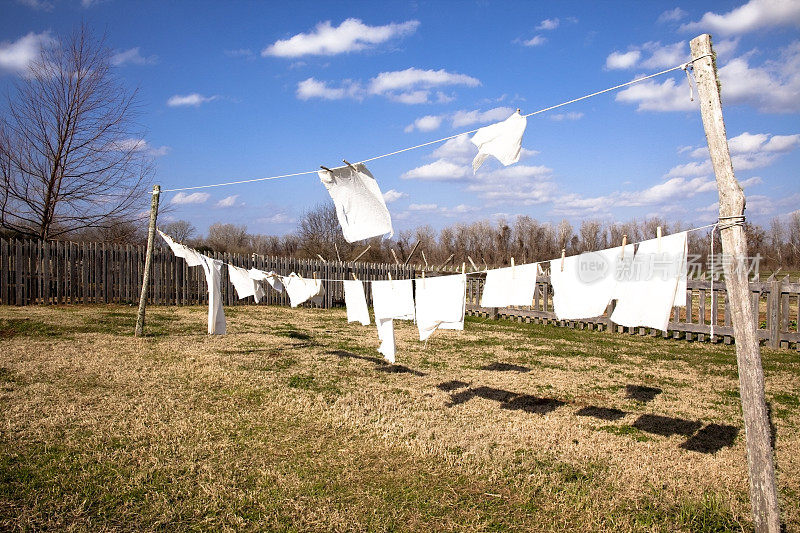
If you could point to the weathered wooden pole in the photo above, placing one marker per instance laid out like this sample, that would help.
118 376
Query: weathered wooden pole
763 492
151 234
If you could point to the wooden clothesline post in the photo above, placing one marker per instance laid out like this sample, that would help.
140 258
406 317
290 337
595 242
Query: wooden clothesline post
151 234
760 461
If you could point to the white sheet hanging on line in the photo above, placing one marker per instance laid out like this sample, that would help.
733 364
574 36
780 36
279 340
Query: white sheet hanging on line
510 286
586 284
360 207
301 289
216 314
503 140
270 277
244 284
440 303
191 255
647 295
356 302
391 299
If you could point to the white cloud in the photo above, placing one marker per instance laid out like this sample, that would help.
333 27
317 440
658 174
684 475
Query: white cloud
426 123
192 99
749 182
277 218
536 40
16 56
194 198
772 88
313 88
548 24
467 118
414 78
392 196
572 115
439 170
409 86
653 96
519 184
39 5
228 201
352 35
748 151
132 56
459 150
423 207
754 15
672 15
139 145
622 60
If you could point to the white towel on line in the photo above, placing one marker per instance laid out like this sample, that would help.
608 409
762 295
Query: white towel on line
244 284
647 295
587 283
503 140
390 300
216 314
510 286
190 255
356 302
301 289
360 206
270 277
440 303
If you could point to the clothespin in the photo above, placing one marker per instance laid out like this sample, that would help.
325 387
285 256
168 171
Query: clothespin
348 164
474 268
563 255
423 279
354 276
658 236
624 244
424 258
519 112
315 275
464 268
391 283
512 268
326 168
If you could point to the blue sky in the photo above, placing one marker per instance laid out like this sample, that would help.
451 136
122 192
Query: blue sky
240 90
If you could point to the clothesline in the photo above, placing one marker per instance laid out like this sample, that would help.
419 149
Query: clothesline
473 273
683 66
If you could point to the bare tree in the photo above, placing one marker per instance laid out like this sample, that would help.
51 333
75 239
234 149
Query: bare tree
180 230
228 238
70 155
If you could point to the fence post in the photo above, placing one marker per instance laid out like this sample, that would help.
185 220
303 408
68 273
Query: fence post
151 233
773 313
763 493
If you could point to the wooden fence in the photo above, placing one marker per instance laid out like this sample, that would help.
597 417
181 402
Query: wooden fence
37 272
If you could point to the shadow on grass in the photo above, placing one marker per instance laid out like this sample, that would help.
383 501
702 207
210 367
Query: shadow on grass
380 364
641 393
505 367
507 400
602 413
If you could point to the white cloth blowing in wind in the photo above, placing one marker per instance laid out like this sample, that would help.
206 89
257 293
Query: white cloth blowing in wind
585 285
301 289
510 286
359 202
190 255
356 302
244 284
216 314
648 291
440 303
503 140
270 277
391 299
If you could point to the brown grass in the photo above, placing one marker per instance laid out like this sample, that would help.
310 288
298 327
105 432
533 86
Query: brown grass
292 422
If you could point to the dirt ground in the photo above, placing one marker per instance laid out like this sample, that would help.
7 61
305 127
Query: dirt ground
293 422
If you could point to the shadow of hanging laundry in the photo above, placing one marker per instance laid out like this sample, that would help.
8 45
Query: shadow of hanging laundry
641 393
448 386
400 369
666 425
505 367
532 404
351 355
711 438
603 413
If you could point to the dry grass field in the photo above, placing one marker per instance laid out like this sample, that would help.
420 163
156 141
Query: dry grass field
292 422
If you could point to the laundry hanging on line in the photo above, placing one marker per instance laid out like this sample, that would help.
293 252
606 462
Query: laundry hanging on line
584 284
647 290
190 255
216 314
440 303
244 284
355 302
360 206
270 277
301 290
503 140
510 286
392 299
